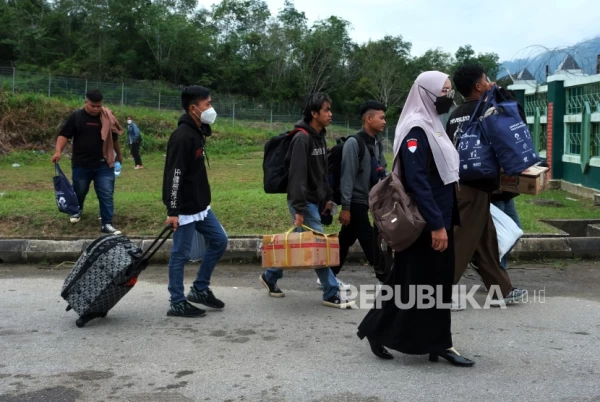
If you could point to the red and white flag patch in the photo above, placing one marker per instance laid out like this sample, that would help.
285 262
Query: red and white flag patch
412 145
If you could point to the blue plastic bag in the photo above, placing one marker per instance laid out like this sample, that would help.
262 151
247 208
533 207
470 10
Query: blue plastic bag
66 199
198 247
508 134
477 157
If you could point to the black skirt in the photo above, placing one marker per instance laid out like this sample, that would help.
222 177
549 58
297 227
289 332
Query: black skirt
411 330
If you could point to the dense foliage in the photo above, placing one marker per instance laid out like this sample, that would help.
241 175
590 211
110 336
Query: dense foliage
237 47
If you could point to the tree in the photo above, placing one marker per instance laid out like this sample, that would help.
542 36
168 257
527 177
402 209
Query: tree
383 69
489 61
323 56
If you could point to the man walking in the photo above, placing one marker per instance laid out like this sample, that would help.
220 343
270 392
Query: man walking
186 194
476 240
94 131
308 190
359 173
135 141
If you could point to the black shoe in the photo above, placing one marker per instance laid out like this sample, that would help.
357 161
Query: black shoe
185 309
205 297
337 301
453 357
377 349
273 289
110 229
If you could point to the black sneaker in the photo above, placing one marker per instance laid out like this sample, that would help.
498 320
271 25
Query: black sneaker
110 229
185 309
274 290
205 297
338 301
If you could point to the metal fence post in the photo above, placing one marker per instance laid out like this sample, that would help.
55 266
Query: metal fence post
271 125
387 139
122 94
14 78
233 115
159 98
85 87
49 84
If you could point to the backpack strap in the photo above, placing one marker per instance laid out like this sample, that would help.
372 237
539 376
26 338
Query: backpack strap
361 147
296 130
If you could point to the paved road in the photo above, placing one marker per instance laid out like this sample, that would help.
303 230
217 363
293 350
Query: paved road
290 349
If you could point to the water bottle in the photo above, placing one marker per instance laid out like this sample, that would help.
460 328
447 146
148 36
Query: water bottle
117 168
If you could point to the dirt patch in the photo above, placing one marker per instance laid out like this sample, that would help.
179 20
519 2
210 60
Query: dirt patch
55 394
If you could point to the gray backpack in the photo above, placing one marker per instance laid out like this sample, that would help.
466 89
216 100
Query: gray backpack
394 211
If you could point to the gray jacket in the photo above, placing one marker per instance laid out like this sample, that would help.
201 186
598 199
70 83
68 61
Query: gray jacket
355 183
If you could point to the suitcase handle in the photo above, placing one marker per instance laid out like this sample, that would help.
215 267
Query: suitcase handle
160 240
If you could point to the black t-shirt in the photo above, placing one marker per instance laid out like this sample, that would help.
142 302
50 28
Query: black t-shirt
84 130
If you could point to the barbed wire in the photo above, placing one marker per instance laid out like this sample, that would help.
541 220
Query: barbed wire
542 61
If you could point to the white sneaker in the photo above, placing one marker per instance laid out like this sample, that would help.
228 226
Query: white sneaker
343 286
515 296
75 218
457 305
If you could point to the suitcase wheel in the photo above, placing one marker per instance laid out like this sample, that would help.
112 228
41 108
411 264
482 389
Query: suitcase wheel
84 319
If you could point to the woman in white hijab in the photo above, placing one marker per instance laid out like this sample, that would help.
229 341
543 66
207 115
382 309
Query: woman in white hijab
427 162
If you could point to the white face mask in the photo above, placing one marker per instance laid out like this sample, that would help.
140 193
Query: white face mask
208 116
129 121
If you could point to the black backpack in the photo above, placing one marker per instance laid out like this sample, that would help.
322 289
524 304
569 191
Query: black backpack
275 172
334 164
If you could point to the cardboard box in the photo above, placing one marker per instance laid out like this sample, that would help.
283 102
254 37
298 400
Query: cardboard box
300 250
532 181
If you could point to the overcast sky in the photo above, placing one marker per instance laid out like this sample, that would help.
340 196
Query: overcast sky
505 27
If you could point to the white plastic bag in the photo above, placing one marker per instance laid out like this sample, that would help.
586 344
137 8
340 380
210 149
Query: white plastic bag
508 231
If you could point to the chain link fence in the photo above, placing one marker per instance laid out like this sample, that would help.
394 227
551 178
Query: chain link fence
279 116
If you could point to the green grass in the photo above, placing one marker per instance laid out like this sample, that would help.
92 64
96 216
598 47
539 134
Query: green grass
32 121
532 214
27 207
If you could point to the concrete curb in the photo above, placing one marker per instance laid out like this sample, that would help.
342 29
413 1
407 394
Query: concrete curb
19 251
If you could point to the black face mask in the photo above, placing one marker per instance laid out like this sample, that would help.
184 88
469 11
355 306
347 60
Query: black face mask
443 104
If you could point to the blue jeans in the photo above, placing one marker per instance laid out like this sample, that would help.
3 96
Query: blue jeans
216 243
312 219
510 209
104 185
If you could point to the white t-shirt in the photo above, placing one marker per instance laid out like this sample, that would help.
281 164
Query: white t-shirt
187 219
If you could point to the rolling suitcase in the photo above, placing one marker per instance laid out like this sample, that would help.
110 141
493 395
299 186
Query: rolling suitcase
105 272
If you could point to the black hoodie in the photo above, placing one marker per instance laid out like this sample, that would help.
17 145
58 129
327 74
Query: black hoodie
186 190
307 163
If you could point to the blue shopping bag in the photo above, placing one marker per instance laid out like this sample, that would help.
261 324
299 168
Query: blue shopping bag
477 157
508 134
66 200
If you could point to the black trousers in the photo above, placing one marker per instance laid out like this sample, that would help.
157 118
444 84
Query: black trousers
359 229
135 152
